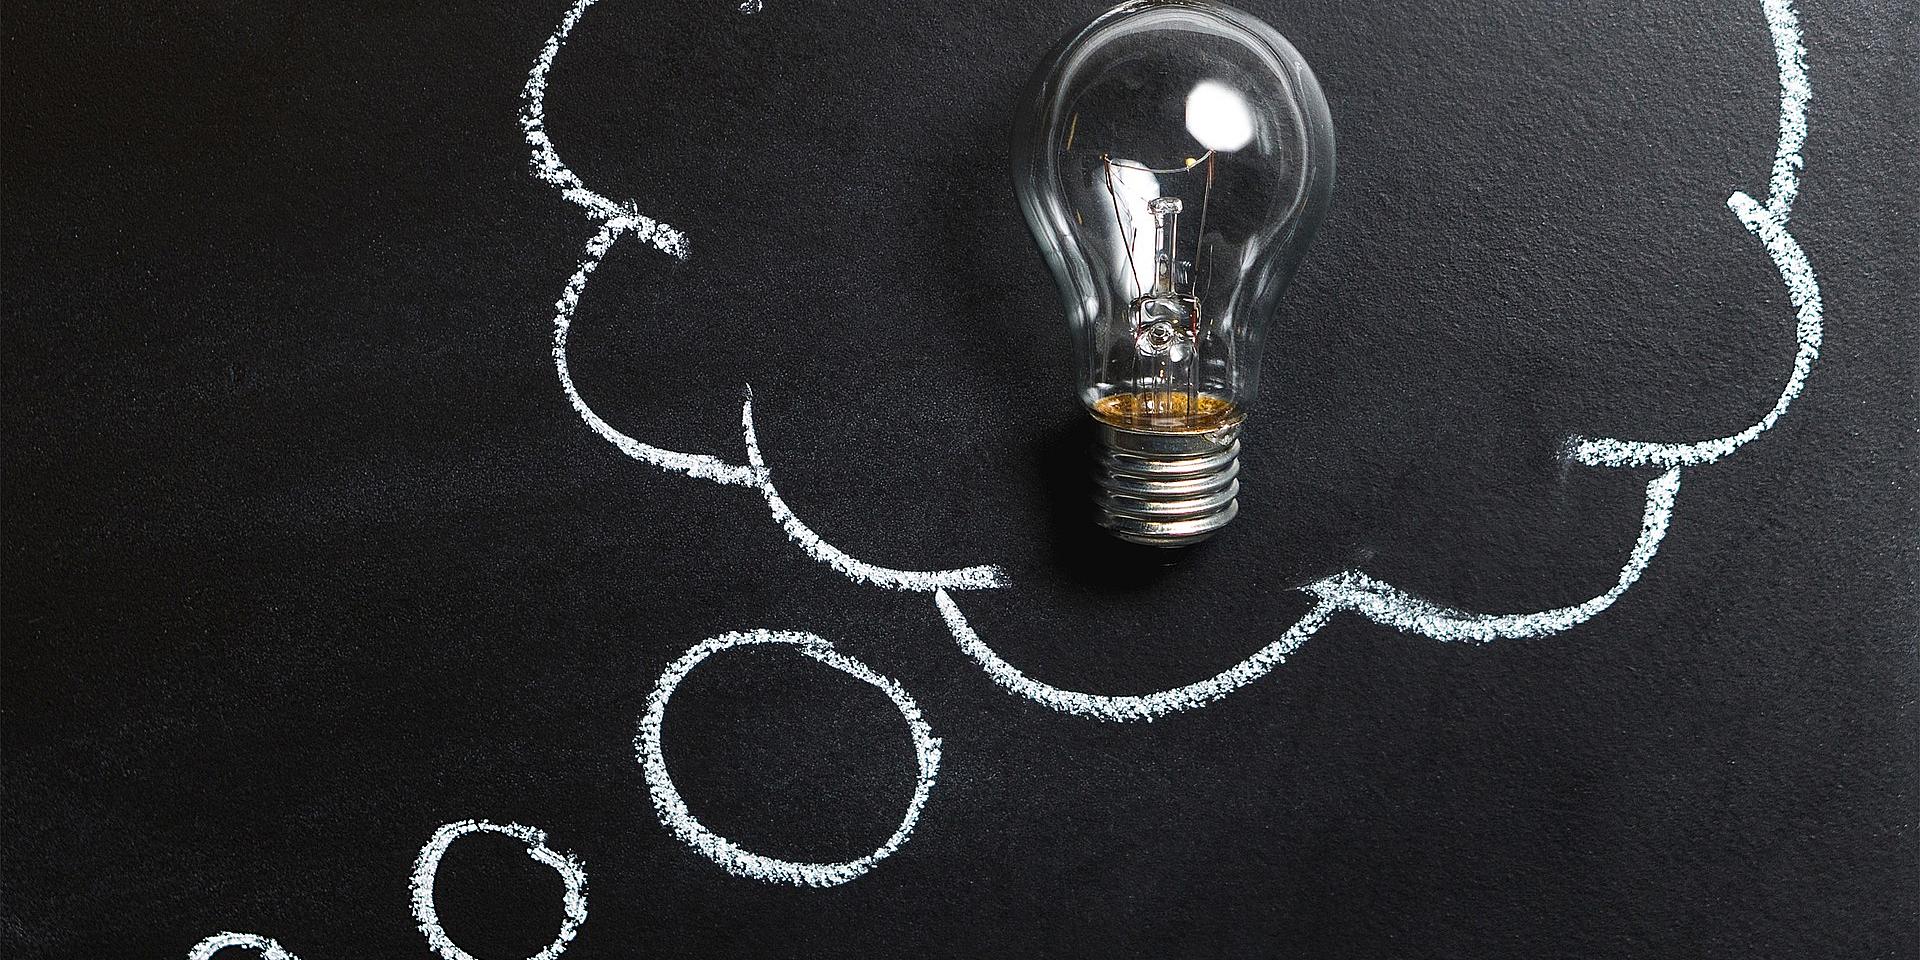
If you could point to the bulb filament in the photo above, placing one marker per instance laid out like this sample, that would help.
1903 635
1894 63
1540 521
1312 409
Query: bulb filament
1166 318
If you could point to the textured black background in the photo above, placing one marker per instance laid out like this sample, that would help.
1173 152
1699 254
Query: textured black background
305 553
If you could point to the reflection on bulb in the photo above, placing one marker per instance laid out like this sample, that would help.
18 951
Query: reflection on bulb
1173 159
1218 117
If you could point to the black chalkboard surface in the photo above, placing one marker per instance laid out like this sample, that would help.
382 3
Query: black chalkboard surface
384 502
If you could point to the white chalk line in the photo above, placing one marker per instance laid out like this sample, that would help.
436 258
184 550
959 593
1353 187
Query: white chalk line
966 578
1769 223
1350 590
1803 290
548 167
732 857
1790 55
1363 594
1390 606
572 873
697 465
1149 706
754 474
267 947
624 218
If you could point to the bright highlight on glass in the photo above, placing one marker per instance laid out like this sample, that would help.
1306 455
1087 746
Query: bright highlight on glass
1173 159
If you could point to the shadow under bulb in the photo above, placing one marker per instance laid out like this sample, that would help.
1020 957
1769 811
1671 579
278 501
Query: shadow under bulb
1173 159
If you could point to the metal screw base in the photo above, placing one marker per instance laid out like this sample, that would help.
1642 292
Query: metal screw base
1166 489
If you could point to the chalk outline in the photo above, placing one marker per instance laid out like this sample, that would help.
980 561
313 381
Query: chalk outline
1350 590
572 873
619 219
735 859
269 948
1393 607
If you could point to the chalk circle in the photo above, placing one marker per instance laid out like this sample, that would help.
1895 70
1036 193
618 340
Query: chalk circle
267 947
572 873
732 857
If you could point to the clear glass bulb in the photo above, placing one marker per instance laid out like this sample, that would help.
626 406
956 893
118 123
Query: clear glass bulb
1173 159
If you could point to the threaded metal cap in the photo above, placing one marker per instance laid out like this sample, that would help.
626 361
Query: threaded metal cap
1166 489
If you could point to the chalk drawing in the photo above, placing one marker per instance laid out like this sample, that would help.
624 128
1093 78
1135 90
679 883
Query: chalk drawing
732 857
1385 604
1768 222
624 218
267 947
754 474
1140 707
1351 590
697 465
1802 290
572 873
1790 57
1389 606
547 165
968 578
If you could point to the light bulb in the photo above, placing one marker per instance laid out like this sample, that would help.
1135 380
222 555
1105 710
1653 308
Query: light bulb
1173 159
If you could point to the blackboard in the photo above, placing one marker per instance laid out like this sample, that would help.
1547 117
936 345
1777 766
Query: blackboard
1571 610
